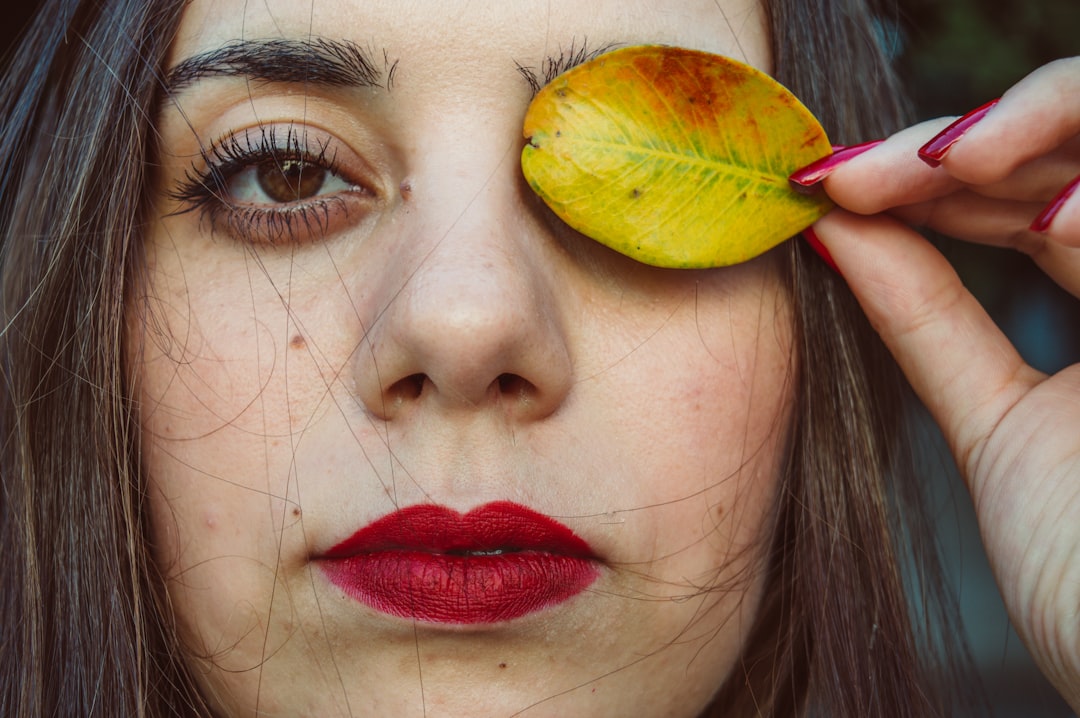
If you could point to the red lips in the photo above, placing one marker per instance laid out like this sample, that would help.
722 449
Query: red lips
430 563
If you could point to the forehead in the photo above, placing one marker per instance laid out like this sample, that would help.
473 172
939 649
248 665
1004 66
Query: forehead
440 36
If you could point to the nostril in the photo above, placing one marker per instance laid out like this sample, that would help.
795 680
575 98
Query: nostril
407 388
516 386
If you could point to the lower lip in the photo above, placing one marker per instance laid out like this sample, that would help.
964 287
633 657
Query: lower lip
423 584
440 588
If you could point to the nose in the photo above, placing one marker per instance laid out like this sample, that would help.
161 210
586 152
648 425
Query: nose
473 322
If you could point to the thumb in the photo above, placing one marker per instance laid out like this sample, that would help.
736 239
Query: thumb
960 364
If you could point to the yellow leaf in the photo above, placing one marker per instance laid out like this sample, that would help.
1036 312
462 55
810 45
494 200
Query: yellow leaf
674 157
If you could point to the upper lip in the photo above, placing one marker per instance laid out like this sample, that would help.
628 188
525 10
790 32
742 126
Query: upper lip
497 527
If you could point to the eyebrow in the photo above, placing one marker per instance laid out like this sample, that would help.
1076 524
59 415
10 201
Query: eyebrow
320 61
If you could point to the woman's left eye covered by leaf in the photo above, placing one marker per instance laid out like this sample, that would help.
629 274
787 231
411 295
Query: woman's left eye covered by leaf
266 185
674 157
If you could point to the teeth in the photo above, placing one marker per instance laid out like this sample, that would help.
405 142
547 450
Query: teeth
478 552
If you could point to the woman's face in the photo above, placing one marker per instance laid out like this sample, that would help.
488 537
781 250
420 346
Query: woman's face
414 447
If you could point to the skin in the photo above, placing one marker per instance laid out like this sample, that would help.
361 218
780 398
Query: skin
448 341
1012 429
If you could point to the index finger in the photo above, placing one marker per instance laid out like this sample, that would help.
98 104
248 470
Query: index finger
1036 116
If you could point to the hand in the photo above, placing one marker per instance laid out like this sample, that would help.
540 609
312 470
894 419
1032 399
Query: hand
1014 431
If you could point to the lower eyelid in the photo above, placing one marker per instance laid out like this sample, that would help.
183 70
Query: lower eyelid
298 223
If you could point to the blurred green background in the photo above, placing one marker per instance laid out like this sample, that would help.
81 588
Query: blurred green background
960 53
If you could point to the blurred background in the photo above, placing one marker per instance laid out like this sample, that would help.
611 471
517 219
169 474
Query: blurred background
955 55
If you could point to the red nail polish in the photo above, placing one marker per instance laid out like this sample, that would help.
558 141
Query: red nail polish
1046 217
935 150
817 171
815 244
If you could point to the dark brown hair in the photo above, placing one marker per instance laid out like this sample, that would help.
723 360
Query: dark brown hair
85 625
83 630
856 620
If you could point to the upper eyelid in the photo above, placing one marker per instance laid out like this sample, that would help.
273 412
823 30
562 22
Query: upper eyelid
224 103
236 150
295 142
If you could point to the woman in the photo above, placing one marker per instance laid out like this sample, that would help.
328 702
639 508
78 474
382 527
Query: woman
282 317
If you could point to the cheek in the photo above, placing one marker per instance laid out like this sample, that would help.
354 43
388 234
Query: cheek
708 487
225 372
216 430
707 461
687 436
703 402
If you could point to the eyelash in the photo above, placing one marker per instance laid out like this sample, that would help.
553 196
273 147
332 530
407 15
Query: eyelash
209 189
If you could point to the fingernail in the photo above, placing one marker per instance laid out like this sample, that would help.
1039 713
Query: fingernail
935 150
815 172
815 244
1046 217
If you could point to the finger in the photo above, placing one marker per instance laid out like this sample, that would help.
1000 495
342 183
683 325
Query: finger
1037 115
1060 220
973 218
1037 180
891 175
957 360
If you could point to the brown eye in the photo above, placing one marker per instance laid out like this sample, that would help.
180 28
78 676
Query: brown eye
270 182
291 180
